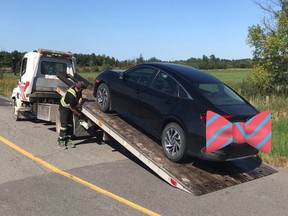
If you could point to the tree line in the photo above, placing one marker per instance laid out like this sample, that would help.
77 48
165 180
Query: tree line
205 62
101 62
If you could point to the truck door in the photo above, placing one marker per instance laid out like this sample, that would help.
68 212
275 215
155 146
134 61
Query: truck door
23 82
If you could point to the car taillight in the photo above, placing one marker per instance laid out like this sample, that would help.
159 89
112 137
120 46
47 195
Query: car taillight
97 81
227 117
204 118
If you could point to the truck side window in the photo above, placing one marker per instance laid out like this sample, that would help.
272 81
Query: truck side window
23 67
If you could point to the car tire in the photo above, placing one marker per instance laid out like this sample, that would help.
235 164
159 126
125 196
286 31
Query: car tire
103 97
174 142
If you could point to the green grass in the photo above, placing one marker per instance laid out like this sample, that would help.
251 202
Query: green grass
279 152
230 75
7 83
280 138
278 107
89 75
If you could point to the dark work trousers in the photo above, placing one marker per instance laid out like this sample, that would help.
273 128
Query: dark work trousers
66 119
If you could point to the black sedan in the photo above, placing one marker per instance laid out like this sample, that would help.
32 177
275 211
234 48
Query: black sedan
170 101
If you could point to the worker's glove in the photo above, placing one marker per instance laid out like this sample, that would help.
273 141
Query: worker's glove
82 117
79 107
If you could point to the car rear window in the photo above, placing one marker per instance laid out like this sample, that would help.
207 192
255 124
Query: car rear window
218 94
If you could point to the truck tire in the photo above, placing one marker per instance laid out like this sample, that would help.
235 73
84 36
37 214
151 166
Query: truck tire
174 142
103 98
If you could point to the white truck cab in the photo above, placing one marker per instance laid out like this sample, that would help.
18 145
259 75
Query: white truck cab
35 94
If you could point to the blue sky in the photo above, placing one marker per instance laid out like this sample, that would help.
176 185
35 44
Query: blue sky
124 29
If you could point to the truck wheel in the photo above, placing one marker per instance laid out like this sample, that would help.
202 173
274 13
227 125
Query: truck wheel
174 142
103 97
58 123
15 112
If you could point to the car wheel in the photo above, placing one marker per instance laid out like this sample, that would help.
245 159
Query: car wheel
174 142
103 97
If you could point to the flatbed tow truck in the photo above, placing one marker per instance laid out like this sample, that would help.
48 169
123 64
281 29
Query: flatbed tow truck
196 176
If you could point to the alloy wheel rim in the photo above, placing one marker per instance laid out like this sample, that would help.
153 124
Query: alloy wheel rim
172 141
102 97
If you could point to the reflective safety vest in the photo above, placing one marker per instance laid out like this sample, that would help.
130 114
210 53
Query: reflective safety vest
62 101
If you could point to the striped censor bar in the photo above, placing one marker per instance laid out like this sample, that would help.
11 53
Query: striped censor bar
257 132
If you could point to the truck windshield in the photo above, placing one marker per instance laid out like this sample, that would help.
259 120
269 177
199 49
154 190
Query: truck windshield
52 68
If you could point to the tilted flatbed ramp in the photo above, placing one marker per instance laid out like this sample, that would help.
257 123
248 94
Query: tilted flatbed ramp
197 177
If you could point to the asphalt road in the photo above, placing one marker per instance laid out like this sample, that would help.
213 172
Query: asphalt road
29 188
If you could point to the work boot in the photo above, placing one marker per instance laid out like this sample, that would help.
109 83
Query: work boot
62 144
69 143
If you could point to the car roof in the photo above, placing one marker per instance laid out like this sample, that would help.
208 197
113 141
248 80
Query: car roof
186 72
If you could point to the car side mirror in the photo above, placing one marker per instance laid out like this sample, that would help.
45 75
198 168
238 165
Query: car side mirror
121 75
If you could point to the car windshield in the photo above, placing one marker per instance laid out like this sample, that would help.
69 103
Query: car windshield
218 94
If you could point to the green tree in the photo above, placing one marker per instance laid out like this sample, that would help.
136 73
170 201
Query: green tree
153 59
270 42
140 60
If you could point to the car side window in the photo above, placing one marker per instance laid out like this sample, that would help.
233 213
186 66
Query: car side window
141 75
183 93
166 84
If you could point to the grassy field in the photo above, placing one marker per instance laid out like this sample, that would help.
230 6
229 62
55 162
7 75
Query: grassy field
89 76
230 75
7 83
276 104
278 107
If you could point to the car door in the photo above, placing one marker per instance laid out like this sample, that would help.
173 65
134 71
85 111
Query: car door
158 101
129 91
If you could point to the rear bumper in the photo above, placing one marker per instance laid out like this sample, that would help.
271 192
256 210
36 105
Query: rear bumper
230 152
